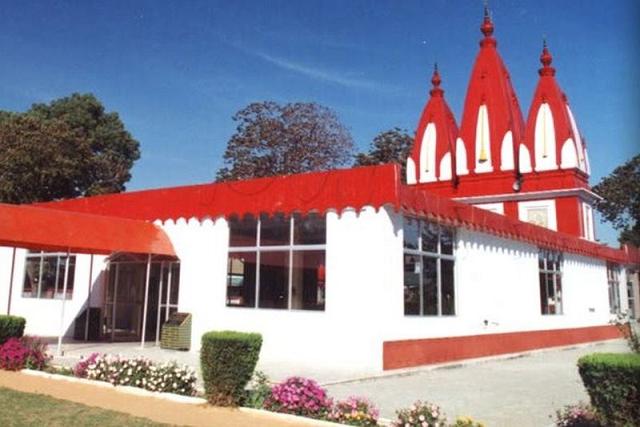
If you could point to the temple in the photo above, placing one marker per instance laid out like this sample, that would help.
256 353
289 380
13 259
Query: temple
536 171
488 247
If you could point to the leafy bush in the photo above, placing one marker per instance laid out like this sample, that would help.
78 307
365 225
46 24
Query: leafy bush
25 352
259 391
613 384
80 368
143 373
580 415
11 327
354 411
466 422
227 361
420 414
37 356
299 396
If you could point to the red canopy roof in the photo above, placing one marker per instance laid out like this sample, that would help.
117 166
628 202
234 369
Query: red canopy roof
49 229
337 190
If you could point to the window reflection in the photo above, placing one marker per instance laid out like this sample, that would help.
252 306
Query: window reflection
261 275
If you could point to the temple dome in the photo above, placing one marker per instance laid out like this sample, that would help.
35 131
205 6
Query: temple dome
492 124
432 158
552 136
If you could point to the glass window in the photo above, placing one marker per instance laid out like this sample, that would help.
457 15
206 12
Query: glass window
274 230
411 233
308 280
243 232
241 279
430 237
550 278
630 295
44 275
274 279
412 282
309 229
429 284
280 270
448 291
613 281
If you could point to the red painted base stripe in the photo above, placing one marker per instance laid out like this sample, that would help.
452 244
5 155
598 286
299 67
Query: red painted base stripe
407 353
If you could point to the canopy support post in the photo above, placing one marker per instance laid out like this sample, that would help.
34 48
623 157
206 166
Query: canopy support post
86 320
64 300
158 316
146 302
13 266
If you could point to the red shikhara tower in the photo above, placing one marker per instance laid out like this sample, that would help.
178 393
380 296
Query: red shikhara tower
537 172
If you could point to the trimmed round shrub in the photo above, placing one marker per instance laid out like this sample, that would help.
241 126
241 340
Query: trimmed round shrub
11 327
227 361
613 383
299 396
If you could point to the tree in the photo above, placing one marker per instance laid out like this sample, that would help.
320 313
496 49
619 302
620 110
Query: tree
391 146
273 139
621 200
68 148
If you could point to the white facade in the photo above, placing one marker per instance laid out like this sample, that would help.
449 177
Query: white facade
496 290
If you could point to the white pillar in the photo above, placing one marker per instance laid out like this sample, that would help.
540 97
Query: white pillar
158 317
146 302
168 300
13 266
64 300
86 320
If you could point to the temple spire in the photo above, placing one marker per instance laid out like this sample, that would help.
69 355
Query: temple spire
435 81
545 60
487 24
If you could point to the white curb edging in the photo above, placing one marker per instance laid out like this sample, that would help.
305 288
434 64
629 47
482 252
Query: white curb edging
185 399
121 388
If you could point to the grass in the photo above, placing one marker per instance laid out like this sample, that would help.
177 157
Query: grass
26 409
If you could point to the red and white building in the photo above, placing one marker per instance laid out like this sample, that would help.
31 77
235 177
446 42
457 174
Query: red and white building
488 249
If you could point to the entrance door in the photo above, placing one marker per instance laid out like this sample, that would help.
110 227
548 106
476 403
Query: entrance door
124 299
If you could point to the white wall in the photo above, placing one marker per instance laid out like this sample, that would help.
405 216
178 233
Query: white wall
43 315
342 335
497 280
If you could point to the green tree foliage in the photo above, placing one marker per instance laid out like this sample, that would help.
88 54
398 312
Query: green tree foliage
273 139
390 146
621 200
68 148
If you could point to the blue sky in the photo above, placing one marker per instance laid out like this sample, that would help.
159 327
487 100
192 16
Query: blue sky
176 71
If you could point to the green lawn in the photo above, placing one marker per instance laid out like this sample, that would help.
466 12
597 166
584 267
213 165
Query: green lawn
26 409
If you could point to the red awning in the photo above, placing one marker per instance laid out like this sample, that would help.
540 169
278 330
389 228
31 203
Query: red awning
53 230
337 190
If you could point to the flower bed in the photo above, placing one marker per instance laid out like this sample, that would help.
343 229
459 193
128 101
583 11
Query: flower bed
25 352
139 372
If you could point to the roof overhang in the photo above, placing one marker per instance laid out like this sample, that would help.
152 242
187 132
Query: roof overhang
54 230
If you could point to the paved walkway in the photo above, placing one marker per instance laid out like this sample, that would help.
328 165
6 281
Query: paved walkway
521 392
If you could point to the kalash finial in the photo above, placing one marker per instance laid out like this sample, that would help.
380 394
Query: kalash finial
487 24
435 81
546 59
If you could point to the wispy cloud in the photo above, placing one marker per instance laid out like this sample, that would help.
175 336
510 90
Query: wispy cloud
329 76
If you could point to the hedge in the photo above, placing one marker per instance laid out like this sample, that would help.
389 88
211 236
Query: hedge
11 327
227 361
613 383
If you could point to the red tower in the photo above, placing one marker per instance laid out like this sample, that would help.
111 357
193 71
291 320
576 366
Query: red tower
536 173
